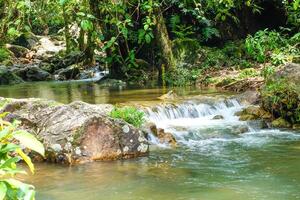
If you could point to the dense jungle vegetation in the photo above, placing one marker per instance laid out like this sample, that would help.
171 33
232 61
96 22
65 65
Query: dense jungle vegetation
167 42
172 42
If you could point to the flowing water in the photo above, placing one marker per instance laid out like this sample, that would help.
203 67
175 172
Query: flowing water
216 159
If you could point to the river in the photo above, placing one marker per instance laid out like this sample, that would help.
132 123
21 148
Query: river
213 160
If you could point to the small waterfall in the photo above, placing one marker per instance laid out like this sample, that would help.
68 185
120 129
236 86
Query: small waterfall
192 110
194 124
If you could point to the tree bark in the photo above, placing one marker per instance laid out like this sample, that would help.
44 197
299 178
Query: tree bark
165 46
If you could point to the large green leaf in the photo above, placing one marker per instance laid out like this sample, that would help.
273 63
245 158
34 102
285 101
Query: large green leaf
3 190
28 140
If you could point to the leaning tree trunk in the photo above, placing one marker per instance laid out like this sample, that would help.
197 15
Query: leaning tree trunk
67 30
165 46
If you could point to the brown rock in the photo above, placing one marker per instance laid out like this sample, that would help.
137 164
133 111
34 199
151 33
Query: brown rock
78 132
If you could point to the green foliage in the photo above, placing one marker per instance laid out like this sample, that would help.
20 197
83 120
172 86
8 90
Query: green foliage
4 54
130 115
267 71
182 76
261 43
248 73
11 140
283 99
272 46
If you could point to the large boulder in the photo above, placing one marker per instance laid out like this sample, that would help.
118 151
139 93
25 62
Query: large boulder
281 94
32 73
68 73
18 51
7 77
77 132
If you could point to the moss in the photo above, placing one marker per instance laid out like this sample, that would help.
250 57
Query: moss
281 123
4 54
282 99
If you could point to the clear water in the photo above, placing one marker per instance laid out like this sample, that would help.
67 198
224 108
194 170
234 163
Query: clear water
90 92
212 161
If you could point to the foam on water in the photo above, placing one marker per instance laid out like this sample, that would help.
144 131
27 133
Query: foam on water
193 126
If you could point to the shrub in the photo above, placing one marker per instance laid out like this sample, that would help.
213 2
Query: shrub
130 115
11 140
4 54
257 46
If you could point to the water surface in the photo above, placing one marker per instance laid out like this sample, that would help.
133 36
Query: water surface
215 159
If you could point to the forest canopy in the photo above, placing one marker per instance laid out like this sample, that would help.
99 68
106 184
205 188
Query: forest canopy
133 34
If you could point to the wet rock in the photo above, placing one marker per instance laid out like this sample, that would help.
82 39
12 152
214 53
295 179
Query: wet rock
68 73
171 95
32 73
218 117
28 41
254 113
240 129
57 62
281 94
249 97
166 138
7 77
296 126
17 50
163 137
78 132
248 117
281 123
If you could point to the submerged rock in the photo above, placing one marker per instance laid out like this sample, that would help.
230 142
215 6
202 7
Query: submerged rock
171 95
78 132
218 117
163 137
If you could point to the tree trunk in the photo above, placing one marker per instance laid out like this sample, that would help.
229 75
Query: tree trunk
67 30
165 46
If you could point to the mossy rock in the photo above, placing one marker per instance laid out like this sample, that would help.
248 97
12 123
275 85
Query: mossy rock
281 123
7 77
281 94
248 117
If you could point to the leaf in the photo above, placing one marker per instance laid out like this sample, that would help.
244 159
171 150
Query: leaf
26 159
86 25
3 190
4 132
29 141
10 161
148 38
8 148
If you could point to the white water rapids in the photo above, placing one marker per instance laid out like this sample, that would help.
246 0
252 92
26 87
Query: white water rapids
193 125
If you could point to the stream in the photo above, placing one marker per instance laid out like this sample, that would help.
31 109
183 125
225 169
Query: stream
216 159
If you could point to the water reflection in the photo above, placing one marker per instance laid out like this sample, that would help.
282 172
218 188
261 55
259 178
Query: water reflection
89 92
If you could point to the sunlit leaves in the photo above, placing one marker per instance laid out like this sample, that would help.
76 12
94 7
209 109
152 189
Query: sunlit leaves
11 140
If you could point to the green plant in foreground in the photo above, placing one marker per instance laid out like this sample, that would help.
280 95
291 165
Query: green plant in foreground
4 54
11 140
131 115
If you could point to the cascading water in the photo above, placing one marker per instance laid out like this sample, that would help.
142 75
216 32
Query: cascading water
210 125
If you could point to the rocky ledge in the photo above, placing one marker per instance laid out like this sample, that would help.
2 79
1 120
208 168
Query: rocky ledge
76 132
